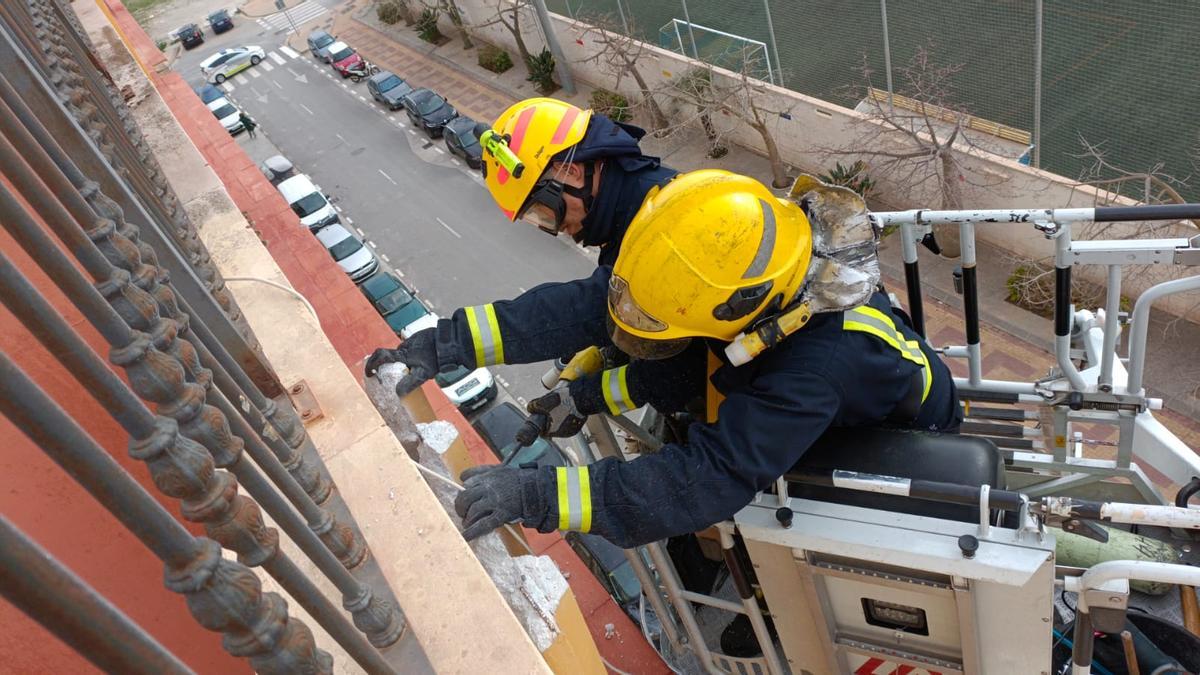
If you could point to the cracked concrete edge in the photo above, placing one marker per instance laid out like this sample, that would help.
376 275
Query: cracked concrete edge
411 536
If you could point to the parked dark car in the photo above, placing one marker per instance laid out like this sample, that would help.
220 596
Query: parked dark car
498 428
429 111
191 36
388 89
208 93
459 134
318 44
612 569
220 21
393 300
277 169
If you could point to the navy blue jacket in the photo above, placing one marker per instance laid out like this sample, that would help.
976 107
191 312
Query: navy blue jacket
775 407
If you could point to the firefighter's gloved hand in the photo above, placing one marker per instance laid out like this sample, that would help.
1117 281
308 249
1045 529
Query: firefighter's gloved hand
561 416
494 495
418 352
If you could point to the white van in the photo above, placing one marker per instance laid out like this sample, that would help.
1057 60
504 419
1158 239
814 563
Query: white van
306 200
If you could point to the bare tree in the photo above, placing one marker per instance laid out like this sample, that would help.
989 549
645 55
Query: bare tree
450 9
741 97
510 14
913 146
619 54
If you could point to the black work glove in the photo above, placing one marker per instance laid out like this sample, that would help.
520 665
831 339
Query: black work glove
494 495
418 352
553 415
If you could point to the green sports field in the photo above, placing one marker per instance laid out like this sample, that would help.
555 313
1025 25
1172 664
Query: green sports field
1120 73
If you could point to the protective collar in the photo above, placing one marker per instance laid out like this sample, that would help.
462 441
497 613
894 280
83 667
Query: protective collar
844 271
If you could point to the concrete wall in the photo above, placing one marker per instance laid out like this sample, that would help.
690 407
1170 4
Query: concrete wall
987 181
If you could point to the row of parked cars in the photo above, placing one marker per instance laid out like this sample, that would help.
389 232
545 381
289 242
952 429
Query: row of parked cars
396 302
192 35
426 109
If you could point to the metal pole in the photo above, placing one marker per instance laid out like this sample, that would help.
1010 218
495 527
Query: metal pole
1112 307
887 52
560 60
624 21
774 45
52 595
1036 159
691 34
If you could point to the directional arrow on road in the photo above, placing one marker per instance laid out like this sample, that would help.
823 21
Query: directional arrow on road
302 79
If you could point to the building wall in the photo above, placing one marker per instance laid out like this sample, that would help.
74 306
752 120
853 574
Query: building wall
815 126
43 501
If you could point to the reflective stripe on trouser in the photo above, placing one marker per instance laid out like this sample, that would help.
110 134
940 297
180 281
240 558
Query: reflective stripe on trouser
485 334
574 499
616 390
867 319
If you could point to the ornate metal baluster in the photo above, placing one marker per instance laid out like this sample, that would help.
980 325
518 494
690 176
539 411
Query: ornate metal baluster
221 594
180 467
152 373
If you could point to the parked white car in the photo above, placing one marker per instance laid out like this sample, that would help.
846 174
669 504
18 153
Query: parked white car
227 114
470 390
229 62
348 251
306 201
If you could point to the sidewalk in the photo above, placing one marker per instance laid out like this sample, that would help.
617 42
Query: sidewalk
1016 344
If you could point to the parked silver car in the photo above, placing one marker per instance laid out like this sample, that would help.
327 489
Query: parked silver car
355 259
318 44
229 62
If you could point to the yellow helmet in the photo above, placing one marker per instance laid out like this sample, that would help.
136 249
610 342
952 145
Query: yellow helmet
536 129
704 257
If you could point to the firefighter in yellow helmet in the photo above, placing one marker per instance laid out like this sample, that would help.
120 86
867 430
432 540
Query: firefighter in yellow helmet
566 170
803 340
580 173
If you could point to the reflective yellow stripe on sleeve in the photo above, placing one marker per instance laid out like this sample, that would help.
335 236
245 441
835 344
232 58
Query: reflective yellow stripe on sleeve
574 498
869 320
616 390
485 335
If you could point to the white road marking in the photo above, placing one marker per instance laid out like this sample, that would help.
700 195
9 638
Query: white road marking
360 232
448 228
362 98
392 118
276 58
300 14
349 221
390 180
294 73
254 72
521 288
335 206
306 109
401 273
521 400
340 138
288 50
412 132
277 84
345 86
228 86
385 258
402 125
440 151
372 244
266 65
456 162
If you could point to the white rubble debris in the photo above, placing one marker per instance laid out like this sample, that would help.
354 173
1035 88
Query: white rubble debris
439 435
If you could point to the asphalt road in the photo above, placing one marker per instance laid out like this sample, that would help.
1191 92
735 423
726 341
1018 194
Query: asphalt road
426 214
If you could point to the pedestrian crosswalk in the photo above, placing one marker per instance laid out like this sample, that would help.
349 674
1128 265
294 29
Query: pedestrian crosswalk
294 17
280 56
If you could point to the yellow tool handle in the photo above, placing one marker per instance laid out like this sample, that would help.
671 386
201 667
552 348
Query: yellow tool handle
587 362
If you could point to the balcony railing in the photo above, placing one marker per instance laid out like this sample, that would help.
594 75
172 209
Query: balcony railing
85 199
